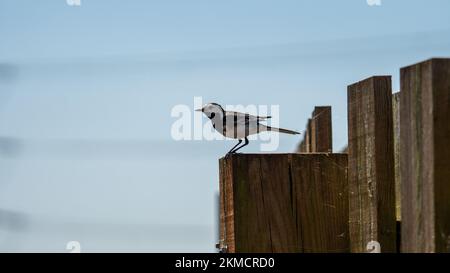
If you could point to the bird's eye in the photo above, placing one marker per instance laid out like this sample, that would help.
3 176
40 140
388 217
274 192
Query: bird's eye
212 115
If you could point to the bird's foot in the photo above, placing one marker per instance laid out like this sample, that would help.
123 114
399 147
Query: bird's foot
227 155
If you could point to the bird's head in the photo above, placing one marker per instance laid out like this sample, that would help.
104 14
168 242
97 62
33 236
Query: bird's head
211 110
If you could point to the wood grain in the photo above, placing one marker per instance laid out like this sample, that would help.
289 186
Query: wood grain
425 156
308 137
318 135
321 130
396 125
371 164
319 189
284 203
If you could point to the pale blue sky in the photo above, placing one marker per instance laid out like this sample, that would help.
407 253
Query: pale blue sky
86 94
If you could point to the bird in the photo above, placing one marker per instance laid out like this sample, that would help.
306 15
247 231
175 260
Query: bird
238 125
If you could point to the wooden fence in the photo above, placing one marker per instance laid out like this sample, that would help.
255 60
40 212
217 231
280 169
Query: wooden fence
318 133
396 168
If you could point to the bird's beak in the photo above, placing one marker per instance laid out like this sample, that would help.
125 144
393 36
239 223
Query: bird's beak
199 110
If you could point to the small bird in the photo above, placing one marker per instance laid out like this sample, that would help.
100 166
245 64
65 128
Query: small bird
238 125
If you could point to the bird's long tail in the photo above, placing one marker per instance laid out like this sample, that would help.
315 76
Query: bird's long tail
281 130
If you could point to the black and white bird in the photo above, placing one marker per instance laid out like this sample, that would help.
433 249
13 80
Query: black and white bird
238 125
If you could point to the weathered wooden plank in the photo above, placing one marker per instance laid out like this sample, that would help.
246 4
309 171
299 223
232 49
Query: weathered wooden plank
226 228
284 202
321 130
318 134
396 126
320 195
302 146
425 156
308 137
305 144
371 164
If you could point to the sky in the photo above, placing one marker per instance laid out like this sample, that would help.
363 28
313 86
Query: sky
86 94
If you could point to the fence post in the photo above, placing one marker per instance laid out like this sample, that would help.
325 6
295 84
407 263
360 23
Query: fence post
398 192
425 156
284 203
308 136
396 126
371 165
321 130
302 146
318 136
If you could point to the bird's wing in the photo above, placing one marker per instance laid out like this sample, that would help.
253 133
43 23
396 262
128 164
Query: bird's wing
247 116
239 118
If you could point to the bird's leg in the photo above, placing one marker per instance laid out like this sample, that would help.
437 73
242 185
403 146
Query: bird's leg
245 144
231 150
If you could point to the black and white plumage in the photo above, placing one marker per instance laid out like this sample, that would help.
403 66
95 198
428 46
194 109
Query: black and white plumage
238 125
